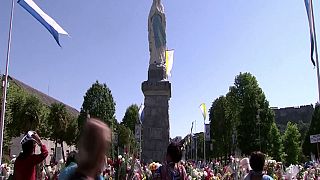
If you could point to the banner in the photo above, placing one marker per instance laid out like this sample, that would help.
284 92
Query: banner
309 8
203 109
314 138
141 113
169 61
51 25
193 142
207 135
58 154
137 133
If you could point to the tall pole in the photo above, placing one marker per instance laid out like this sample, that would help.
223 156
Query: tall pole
318 150
316 49
204 140
5 83
191 155
196 141
140 128
113 141
191 137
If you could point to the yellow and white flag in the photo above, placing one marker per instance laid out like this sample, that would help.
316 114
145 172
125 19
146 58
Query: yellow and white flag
169 61
203 109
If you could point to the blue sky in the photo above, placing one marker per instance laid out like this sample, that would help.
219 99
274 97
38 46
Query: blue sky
213 42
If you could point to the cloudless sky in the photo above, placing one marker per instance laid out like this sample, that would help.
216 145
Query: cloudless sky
213 40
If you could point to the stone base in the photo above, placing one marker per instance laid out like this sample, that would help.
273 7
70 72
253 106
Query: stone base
156 73
155 125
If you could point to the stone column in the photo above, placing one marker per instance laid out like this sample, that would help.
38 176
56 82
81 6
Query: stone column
155 125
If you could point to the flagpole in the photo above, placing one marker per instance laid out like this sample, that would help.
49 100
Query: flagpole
316 50
196 139
191 140
5 83
204 140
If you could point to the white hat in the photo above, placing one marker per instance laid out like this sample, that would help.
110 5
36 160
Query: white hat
28 137
244 163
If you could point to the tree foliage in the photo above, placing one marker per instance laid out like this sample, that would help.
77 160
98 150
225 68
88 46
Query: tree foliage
221 129
72 132
131 117
16 99
253 117
24 112
58 121
291 140
29 116
124 135
98 102
313 129
275 147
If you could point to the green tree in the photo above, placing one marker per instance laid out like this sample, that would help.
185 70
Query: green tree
124 134
252 113
58 122
131 117
72 132
16 98
220 128
98 102
275 145
43 129
291 140
232 112
23 112
314 128
30 115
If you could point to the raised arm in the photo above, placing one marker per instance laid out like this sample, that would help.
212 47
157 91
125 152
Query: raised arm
37 158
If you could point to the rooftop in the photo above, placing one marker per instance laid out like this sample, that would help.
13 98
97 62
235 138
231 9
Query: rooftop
47 100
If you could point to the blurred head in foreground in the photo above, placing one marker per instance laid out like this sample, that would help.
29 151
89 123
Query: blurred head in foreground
174 153
257 161
95 141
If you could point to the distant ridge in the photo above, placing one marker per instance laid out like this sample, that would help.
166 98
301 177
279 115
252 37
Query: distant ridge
300 115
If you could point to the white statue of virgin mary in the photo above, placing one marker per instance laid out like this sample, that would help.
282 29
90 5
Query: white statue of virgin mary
157 34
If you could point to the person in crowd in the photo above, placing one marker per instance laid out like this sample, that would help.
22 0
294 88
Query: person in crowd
25 164
244 167
257 161
70 168
172 169
95 141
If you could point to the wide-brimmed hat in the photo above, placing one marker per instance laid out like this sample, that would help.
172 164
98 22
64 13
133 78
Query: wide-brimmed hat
28 137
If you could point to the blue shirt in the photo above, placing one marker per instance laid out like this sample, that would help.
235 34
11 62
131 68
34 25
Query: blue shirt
264 177
68 171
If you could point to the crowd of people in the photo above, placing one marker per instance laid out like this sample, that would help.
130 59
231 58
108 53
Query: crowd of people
90 163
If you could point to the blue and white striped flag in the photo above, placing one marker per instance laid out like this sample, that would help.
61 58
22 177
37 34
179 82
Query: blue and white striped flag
43 18
309 9
141 113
